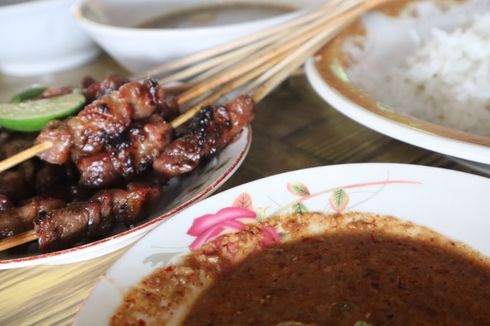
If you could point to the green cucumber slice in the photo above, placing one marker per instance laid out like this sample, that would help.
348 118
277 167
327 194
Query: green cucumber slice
28 94
33 115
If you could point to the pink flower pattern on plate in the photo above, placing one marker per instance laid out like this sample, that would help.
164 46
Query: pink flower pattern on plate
209 226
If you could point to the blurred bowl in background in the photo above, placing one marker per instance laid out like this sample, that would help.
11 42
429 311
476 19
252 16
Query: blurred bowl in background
143 34
41 37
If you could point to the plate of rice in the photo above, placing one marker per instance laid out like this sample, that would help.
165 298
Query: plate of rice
417 71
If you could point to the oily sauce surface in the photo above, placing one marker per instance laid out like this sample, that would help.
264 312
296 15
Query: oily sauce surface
348 277
217 15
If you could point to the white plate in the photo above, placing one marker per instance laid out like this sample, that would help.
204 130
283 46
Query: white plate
328 76
453 203
179 194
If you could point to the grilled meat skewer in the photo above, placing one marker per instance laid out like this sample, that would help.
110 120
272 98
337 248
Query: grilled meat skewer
144 141
15 220
211 129
208 132
104 120
78 221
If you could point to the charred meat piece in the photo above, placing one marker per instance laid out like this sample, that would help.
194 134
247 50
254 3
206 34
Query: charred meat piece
130 157
10 225
147 141
93 89
66 225
97 170
209 131
14 185
60 136
31 208
31 178
20 219
242 112
99 123
79 221
55 180
140 199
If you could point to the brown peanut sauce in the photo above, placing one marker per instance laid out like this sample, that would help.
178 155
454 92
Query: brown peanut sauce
353 269
345 278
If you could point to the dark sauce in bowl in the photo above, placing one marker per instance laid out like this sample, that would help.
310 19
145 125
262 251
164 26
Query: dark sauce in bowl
318 269
217 15
346 278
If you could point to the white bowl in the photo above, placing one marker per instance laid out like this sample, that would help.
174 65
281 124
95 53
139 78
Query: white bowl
111 24
40 37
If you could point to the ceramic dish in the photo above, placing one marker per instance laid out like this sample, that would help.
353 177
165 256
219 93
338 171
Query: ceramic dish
458 211
41 37
112 25
179 194
329 76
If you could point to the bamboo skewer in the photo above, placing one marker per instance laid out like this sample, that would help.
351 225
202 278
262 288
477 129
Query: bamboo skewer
287 64
279 72
24 155
17 240
262 78
230 86
219 60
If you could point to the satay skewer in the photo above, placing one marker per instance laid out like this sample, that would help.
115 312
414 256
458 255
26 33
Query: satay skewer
288 65
213 129
263 58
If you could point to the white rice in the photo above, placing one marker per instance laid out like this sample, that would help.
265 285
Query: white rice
446 80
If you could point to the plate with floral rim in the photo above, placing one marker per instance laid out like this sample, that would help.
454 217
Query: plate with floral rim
451 203
178 194
344 71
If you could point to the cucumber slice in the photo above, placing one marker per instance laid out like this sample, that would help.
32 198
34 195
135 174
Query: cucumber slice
33 115
28 94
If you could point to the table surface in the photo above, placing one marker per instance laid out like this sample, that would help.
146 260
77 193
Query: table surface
294 129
